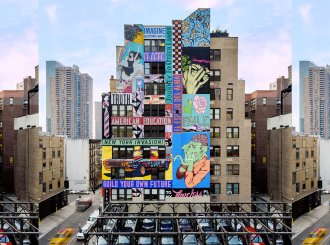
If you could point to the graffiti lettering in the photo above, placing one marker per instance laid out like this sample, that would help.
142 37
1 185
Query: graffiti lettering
168 65
193 193
177 103
154 32
120 184
121 99
135 142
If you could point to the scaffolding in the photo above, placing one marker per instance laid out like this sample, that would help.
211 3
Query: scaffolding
271 222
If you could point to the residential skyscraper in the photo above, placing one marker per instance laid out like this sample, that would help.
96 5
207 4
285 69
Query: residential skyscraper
71 101
303 74
317 96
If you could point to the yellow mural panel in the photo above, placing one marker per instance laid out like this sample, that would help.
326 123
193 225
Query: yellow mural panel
106 169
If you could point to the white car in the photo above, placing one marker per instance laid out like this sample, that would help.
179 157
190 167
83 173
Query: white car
324 191
81 233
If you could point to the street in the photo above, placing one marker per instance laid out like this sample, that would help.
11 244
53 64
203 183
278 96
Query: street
324 222
73 220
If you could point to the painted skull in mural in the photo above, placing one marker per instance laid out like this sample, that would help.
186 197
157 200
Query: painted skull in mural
195 165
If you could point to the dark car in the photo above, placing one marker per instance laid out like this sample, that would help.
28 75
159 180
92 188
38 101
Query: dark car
166 225
185 225
149 224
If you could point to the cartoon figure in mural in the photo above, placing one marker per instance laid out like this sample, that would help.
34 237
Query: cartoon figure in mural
127 65
194 77
195 166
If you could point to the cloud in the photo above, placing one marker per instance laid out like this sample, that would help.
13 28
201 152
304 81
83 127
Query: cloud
304 11
51 12
262 58
195 4
19 56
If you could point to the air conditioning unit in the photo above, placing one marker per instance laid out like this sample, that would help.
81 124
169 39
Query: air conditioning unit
229 192
213 198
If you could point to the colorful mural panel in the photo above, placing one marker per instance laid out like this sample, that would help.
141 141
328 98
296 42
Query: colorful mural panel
134 142
106 116
128 184
176 46
154 78
138 131
154 56
187 192
154 99
137 103
106 170
196 70
191 160
168 65
196 29
177 103
141 121
196 112
154 32
121 99
134 33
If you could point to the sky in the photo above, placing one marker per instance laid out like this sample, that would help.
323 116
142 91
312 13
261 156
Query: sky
273 34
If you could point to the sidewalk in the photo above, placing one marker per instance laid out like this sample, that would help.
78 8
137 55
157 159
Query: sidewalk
54 219
308 219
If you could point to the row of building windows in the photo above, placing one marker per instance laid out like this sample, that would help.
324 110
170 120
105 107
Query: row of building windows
232 151
232 169
215 94
231 132
306 154
231 188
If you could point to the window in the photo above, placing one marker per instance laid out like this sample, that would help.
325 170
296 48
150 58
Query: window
215 75
50 187
306 154
215 151
232 169
44 187
161 152
293 143
154 194
215 93
59 184
312 153
297 188
0 124
50 165
157 45
122 110
312 184
294 178
215 169
122 131
11 159
61 173
157 131
233 188
253 124
121 194
304 186
154 88
58 153
44 165
232 132
215 188
53 154
154 68
264 100
264 159
232 151
297 154
215 54
122 152
229 114
215 132
40 178
11 101
154 110
230 94
297 165
215 113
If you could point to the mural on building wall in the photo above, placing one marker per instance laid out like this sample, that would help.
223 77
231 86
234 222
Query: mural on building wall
196 70
138 84
168 110
105 116
154 56
106 169
176 46
137 103
187 192
122 86
196 112
154 32
154 99
134 33
196 29
154 78
138 131
177 103
191 160
168 64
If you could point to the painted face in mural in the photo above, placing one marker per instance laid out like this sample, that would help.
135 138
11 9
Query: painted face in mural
195 165
194 78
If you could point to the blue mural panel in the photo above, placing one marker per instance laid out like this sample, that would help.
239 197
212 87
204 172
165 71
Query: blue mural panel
196 112
168 65
196 29
191 160
177 103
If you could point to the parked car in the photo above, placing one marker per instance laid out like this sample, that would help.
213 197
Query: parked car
81 233
234 240
93 217
145 240
184 224
4 239
190 240
166 225
149 224
109 225
254 239
167 240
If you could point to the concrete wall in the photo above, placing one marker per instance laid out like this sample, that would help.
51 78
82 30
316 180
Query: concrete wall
29 120
277 122
77 163
325 163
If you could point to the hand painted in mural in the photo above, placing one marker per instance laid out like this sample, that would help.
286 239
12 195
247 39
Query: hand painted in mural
134 33
195 77
195 165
